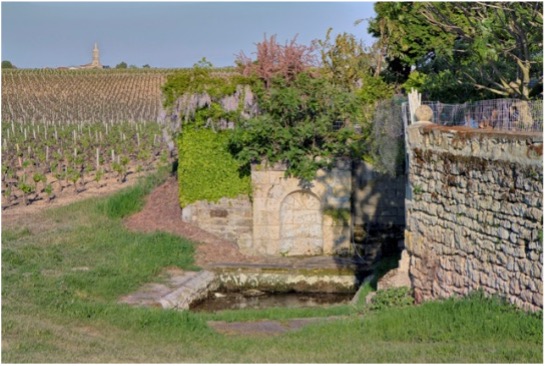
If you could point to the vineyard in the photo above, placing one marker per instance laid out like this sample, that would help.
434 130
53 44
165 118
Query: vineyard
64 131
81 95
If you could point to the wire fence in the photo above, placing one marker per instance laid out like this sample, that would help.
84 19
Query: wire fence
388 135
499 114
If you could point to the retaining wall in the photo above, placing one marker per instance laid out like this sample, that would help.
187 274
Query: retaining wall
285 216
474 215
229 218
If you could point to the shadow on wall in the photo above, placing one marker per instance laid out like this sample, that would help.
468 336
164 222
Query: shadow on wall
378 212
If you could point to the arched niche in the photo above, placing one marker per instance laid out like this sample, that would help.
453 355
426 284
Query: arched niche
301 224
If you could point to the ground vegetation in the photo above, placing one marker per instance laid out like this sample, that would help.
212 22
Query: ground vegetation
64 270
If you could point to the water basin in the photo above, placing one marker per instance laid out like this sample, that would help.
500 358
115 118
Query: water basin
236 300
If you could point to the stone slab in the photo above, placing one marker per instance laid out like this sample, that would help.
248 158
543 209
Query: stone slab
177 290
265 327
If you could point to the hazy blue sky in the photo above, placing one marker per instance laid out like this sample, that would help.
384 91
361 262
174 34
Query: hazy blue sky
166 34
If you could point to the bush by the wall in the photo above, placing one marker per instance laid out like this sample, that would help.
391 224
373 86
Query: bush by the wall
206 169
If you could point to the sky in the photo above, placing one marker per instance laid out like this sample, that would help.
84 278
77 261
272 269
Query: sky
165 34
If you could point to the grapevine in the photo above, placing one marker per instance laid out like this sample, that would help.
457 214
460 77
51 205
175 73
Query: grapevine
66 131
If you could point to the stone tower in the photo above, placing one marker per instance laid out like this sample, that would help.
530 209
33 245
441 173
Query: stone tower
96 61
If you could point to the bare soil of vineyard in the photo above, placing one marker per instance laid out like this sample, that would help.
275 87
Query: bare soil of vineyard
67 196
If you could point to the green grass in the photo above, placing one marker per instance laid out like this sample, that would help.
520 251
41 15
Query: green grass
63 271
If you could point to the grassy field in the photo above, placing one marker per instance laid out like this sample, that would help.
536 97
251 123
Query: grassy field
64 269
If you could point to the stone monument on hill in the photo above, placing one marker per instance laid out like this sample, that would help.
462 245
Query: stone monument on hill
95 63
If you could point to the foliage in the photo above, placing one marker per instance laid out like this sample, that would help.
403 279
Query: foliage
199 80
304 120
297 126
393 297
274 60
308 119
121 65
206 169
486 48
344 62
8 65
347 64
339 215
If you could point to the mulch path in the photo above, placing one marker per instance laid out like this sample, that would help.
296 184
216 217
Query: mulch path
162 213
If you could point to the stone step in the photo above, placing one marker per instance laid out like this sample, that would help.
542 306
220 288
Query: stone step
178 291
191 289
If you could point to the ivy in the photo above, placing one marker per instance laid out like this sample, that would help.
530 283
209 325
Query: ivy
206 170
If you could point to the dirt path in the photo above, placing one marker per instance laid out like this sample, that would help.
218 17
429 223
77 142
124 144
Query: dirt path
162 212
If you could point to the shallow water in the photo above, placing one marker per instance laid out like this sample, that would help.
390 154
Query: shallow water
255 300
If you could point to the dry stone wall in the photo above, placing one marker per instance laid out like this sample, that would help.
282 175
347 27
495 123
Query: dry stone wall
474 215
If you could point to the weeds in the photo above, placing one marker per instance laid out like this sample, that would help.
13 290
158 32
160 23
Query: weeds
393 297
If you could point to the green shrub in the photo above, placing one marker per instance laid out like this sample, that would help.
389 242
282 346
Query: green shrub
206 169
305 124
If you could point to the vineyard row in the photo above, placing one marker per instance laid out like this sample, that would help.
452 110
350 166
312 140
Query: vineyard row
41 161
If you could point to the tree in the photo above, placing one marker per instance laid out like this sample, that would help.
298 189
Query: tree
146 66
302 123
345 60
495 47
8 65
404 39
121 65
274 59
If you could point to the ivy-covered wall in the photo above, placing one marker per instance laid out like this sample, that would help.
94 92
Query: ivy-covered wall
206 169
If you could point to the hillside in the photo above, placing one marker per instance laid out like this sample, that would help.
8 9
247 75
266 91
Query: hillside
82 95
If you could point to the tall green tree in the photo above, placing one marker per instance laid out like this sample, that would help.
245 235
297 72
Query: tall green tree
345 60
8 65
121 65
493 47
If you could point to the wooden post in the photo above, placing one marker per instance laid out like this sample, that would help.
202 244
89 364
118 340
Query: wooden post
98 160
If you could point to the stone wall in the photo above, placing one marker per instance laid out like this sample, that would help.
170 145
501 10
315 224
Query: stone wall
229 218
293 218
284 216
474 216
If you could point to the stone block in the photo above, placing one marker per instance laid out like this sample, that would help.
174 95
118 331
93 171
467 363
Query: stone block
195 286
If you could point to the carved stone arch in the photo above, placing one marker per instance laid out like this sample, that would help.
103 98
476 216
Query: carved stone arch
301 224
